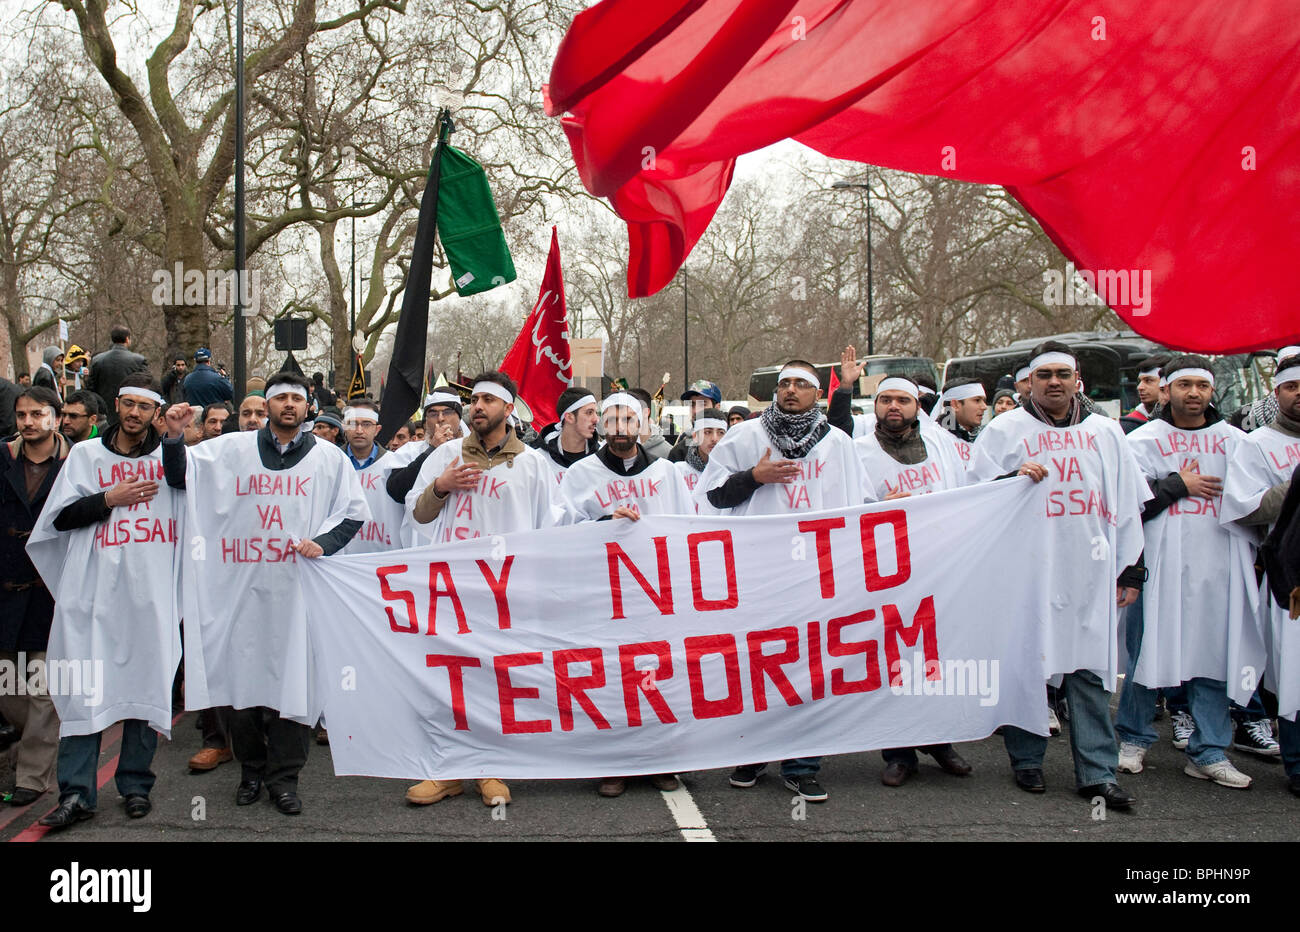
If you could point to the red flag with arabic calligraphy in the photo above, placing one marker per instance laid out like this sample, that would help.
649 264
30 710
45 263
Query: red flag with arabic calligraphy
539 362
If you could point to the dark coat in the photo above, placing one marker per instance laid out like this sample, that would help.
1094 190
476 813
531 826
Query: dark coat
205 386
107 372
26 606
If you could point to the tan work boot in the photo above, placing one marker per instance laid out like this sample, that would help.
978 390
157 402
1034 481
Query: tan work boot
430 791
210 758
494 792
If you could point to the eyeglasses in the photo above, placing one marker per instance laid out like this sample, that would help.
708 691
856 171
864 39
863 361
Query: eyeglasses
144 407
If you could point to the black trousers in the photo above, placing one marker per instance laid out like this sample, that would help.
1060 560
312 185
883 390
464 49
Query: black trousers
269 748
908 755
215 726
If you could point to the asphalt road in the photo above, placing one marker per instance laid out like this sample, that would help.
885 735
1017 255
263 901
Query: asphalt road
932 806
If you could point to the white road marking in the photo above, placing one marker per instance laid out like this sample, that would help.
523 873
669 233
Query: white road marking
687 815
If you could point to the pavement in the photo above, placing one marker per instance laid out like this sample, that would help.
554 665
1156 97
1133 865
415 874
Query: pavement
932 806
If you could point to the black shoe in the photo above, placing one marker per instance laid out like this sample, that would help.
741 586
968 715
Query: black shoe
22 796
949 760
746 775
1293 783
1031 781
71 811
138 806
896 773
1115 797
8 735
806 785
288 802
248 792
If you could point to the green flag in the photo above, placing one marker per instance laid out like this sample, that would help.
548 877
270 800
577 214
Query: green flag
469 227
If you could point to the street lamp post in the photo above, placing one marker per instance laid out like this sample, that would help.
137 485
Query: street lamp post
240 348
871 303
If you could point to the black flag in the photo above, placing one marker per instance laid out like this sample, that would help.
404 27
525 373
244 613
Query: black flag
406 369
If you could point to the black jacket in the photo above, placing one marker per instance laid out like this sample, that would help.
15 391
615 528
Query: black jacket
1280 554
560 457
26 606
107 372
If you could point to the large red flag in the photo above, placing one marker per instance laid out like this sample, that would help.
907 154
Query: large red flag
539 362
1156 141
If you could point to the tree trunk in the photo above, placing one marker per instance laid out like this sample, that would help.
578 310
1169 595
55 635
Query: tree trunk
187 324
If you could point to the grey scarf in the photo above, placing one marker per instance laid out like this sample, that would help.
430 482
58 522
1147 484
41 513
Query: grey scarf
794 434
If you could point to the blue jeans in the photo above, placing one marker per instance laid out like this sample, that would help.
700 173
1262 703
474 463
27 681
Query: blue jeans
79 759
1092 736
1288 736
1209 703
1253 712
800 766
1134 724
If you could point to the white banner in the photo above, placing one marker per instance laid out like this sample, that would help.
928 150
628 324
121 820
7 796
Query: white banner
674 644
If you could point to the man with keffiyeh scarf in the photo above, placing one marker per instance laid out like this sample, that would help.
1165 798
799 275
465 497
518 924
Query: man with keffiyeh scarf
787 460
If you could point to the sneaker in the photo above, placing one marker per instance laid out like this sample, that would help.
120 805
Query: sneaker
806 785
1131 757
1160 709
746 775
1184 725
1053 723
1256 738
1221 772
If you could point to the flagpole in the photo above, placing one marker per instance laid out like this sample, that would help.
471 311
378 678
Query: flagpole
240 366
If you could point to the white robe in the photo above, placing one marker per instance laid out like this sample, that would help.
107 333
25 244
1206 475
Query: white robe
114 589
941 469
1093 495
692 477
246 638
591 489
1263 459
383 529
514 495
1200 612
830 475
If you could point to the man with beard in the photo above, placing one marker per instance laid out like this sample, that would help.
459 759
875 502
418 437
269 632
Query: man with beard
708 427
909 455
1198 627
30 463
621 481
1093 492
113 523
442 422
257 502
1257 482
788 460
373 465
574 435
252 413
82 415
488 482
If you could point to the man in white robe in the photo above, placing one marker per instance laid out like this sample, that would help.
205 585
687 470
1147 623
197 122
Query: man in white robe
484 484
788 460
574 435
373 465
707 430
1092 493
1258 479
906 455
256 502
1198 624
106 546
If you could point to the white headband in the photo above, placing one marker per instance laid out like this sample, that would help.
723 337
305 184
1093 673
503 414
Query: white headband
1190 374
1286 375
1052 359
1149 373
1287 352
580 403
897 384
142 392
705 423
285 388
360 414
962 392
1022 374
442 398
492 388
793 372
621 400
